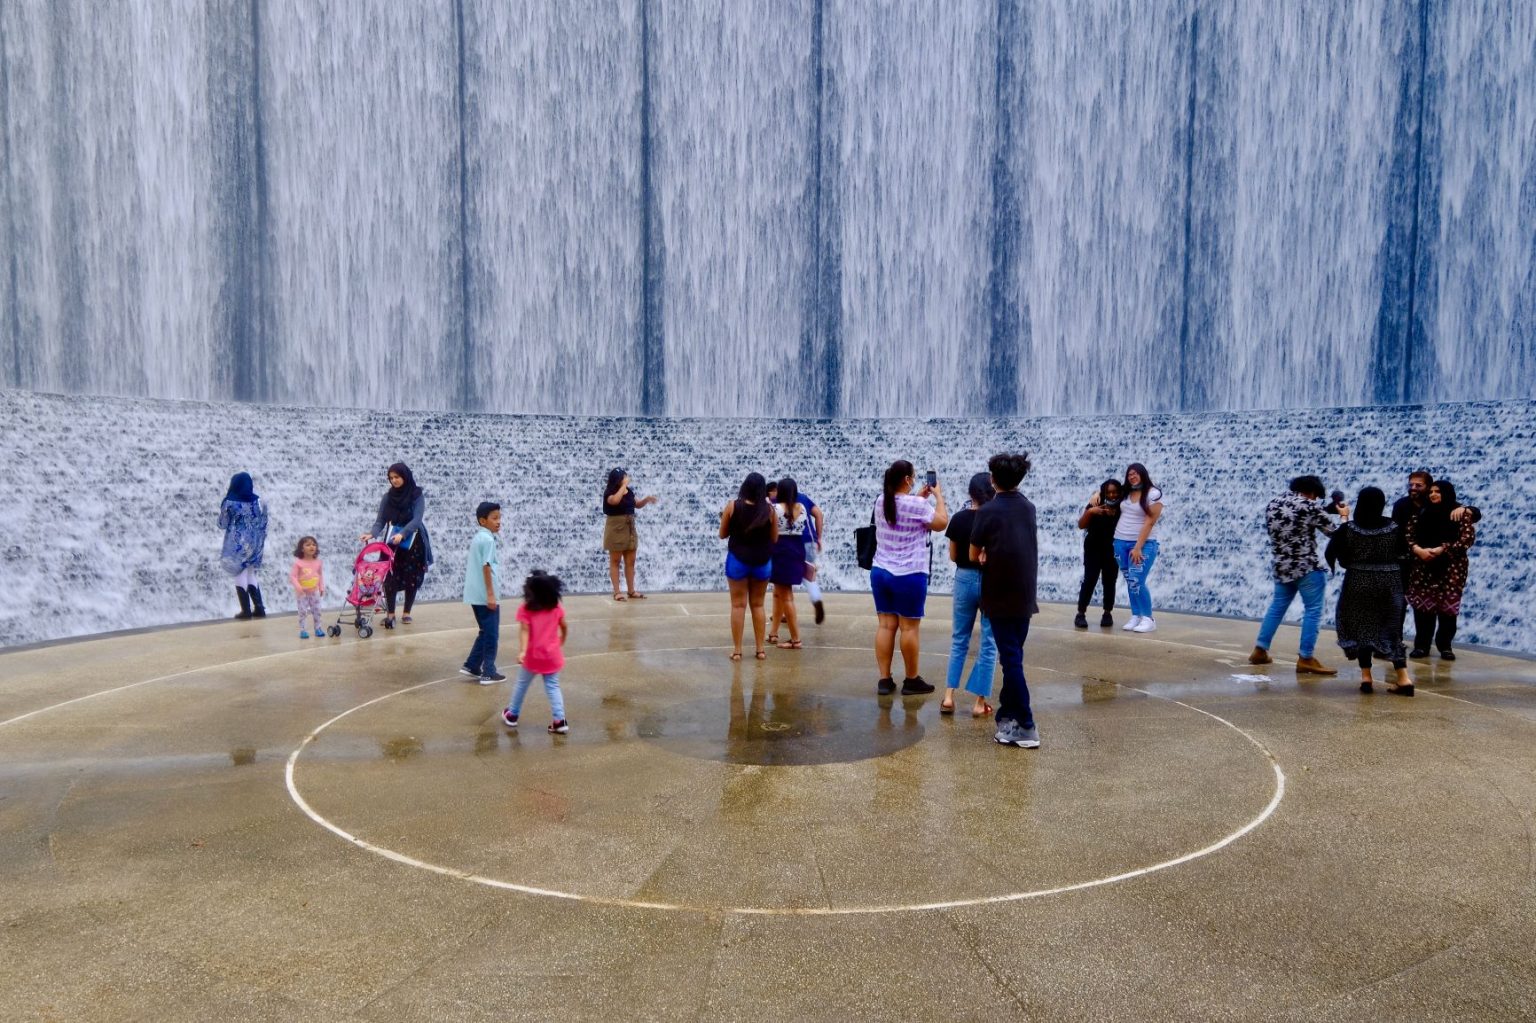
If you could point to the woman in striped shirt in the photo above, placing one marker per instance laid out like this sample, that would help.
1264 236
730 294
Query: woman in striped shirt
904 522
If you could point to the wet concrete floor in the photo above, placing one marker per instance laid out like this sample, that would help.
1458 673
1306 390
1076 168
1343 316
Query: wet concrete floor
226 820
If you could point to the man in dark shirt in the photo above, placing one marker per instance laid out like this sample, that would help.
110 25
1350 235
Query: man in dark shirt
1004 544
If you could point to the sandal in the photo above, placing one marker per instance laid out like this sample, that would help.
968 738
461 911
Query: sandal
981 711
736 656
636 596
790 644
1400 690
947 707
773 640
619 597
761 655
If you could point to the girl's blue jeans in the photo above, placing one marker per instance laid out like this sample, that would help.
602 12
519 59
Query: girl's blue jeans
967 609
551 689
1137 594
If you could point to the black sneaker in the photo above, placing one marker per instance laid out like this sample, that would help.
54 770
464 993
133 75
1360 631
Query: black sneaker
1081 621
468 673
821 612
1447 655
886 686
560 727
1418 654
490 678
915 686
1107 620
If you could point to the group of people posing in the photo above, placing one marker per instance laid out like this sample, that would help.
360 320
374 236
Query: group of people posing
1416 558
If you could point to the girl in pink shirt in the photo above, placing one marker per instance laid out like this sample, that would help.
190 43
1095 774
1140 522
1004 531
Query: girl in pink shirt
308 579
542 631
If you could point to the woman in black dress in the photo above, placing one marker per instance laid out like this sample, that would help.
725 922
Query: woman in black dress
1372 547
399 524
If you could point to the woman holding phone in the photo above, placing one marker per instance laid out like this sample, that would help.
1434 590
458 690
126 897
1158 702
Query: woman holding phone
903 523
620 539
1136 543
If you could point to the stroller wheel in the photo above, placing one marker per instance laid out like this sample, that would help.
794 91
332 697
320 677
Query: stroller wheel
335 631
365 631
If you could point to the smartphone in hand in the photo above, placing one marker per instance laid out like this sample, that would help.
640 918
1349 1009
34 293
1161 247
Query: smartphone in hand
931 478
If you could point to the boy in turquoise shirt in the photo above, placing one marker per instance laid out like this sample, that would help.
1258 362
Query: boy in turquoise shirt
482 578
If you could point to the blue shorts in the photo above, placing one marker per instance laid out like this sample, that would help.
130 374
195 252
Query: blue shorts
735 568
900 595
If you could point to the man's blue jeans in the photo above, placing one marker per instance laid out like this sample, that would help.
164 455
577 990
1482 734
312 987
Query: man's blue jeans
967 608
1013 703
1313 587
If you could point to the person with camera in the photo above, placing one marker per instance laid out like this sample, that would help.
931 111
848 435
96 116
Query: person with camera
1098 521
620 539
899 576
1292 520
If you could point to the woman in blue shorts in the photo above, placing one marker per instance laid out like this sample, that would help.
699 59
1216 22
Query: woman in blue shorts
899 579
749 526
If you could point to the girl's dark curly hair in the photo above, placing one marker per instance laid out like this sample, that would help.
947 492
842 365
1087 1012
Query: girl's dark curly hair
541 591
298 548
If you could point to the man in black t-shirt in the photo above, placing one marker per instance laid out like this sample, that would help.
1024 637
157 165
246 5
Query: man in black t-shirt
1005 545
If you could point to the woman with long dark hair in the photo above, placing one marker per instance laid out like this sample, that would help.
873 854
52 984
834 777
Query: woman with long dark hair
788 561
1437 570
750 527
1371 548
399 524
243 518
899 578
620 538
967 608
1136 543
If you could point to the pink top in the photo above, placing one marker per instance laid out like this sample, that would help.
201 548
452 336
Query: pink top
543 656
307 576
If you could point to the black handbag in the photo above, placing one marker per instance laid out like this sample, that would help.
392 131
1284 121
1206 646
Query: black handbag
864 544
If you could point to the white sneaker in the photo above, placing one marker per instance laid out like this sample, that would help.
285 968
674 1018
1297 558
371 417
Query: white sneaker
1130 626
1146 625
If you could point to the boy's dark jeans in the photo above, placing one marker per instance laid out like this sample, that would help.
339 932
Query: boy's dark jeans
1010 634
482 656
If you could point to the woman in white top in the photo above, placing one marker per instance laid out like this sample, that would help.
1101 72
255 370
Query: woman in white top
899 579
1136 543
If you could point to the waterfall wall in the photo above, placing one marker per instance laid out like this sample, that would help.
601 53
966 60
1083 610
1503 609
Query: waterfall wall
774 207
116 526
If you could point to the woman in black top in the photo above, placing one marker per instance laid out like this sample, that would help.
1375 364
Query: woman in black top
967 607
1372 548
1098 522
399 524
751 528
620 539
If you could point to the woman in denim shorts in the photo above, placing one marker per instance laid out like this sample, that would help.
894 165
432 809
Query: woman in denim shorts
899 579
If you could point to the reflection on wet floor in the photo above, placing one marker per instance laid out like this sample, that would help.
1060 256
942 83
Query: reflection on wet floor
241 756
773 721
400 747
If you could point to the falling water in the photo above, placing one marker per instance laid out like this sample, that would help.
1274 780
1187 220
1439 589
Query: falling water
770 208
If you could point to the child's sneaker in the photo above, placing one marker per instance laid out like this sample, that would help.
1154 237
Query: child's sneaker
303 634
560 727
490 678
508 718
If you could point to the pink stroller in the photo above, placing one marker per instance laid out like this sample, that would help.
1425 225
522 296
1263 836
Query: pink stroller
368 574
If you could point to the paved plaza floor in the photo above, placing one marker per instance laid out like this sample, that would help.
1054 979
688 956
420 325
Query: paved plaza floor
223 821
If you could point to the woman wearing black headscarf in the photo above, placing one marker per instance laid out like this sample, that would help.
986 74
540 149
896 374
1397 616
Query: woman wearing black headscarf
243 518
399 524
1437 570
1371 547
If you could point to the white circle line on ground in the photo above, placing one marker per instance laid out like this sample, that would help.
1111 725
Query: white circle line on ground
917 907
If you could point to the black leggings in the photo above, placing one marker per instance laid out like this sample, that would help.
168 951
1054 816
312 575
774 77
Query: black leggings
1365 660
389 597
1429 627
1097 564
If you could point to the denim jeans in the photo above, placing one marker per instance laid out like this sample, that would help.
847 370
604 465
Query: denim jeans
1013 704
1136 592
482 656
967 607
551 689
1313 587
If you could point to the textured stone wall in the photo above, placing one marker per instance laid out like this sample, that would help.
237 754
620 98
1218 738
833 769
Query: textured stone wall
110 505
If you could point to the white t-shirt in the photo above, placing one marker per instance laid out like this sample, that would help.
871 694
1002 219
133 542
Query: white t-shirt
1132 518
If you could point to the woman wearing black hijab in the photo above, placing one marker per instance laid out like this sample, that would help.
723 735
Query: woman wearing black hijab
1437 570
399 524
1371 547
243 518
